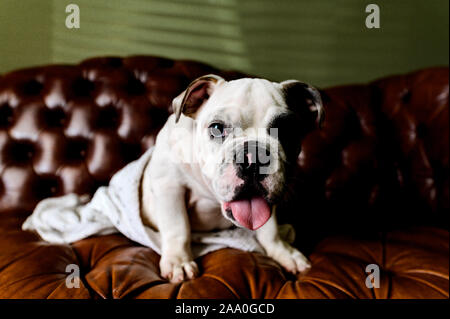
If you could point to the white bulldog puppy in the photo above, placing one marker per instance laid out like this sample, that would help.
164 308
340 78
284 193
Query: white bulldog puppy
221 160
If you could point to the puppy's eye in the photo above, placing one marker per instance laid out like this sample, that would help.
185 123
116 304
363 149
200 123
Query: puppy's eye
217 130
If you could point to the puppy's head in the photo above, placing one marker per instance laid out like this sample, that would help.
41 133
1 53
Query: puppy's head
247 132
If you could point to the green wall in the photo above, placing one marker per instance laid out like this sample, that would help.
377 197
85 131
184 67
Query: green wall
25 33
322 42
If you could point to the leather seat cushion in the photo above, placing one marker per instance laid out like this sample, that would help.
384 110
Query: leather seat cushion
413 264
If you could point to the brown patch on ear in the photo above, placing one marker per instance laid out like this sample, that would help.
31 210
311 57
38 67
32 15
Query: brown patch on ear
306 102
196 94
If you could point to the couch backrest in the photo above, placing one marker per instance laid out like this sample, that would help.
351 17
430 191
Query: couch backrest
68 128
381 159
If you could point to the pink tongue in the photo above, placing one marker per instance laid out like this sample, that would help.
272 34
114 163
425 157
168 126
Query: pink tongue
251 214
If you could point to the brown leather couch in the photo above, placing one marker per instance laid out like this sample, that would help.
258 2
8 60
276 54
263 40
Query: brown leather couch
371 187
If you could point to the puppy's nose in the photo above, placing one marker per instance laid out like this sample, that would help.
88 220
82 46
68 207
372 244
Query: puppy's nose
252 158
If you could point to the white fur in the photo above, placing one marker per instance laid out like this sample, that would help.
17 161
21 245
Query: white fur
189 176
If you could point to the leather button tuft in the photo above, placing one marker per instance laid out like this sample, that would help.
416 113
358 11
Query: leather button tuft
6 115
32 87
20 152
47 186
406 97
76 149
83 87
108 117
54 117
131 152
135 87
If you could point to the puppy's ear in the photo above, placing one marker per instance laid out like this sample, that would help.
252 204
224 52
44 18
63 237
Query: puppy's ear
196 94
305 101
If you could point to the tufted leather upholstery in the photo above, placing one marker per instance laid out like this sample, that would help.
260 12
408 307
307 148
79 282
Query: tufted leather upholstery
372 187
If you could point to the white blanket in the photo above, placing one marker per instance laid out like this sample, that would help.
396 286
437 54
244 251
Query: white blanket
116 208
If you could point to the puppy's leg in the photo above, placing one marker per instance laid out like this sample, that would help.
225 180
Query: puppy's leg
282 252
176 262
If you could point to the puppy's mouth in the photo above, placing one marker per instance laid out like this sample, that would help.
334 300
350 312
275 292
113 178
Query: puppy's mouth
250 210
250 213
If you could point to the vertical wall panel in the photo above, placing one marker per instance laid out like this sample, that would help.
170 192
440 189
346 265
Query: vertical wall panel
322 42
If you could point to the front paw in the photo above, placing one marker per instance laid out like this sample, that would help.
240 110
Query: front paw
177 268
290 258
